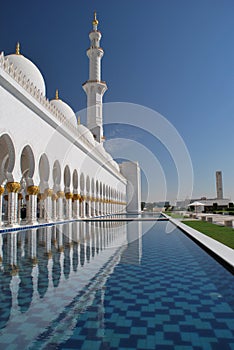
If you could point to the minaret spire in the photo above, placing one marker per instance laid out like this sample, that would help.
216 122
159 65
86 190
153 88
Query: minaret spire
56 94
95 87
17 49
95 21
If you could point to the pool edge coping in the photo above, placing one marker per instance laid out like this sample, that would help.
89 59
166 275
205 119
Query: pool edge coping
218 249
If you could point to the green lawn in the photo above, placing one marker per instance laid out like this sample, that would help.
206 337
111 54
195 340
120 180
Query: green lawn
175 215
222 234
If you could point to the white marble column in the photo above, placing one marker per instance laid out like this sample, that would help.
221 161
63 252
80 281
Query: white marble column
76 206
60 215
104 206
101 206
89 206
20 197
12 188
92 204
32 205
95 204
1 193
54 207
68 196
41 205
48 204
5 208
83 206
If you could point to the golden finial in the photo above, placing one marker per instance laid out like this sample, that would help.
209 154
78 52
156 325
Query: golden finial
56 95
17 49
95 21
78 121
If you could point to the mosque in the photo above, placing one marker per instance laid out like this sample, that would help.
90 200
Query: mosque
53 168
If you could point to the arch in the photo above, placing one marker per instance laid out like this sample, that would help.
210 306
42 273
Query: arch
44 168
92 186
27 162
82 182
97 188
57 175
7 157
67 176
75 180
87 184
44 172
100 189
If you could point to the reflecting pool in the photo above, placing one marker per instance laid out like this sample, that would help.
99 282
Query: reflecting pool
112 285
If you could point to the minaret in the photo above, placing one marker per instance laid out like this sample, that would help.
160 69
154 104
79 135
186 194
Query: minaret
95 87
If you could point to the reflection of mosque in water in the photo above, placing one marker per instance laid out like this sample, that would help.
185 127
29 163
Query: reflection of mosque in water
44 270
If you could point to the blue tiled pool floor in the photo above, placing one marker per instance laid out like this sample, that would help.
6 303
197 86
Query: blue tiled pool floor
174 297
112 286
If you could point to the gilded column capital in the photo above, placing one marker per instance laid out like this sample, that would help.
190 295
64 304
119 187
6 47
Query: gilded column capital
76 196
60 194
33 190
49 255
54 197
48 192
14 270
13 187
34 261
68 195
1 190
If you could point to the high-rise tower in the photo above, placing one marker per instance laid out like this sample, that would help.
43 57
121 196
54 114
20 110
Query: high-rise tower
95 87
219 185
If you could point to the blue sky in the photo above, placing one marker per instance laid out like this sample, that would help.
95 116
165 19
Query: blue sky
173 56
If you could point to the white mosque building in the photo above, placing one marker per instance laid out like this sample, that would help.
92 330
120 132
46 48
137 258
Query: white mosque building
50 164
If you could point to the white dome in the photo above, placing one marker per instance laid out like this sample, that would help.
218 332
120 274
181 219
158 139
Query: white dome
86 133
116 165
66 110
107 155
28 69
101 149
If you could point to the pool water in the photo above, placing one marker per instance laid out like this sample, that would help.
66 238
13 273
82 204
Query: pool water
112 285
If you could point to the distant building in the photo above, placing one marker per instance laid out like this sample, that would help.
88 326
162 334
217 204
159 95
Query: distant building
211 204
219 185
133 193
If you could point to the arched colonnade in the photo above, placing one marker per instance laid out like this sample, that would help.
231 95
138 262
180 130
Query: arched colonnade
48 191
